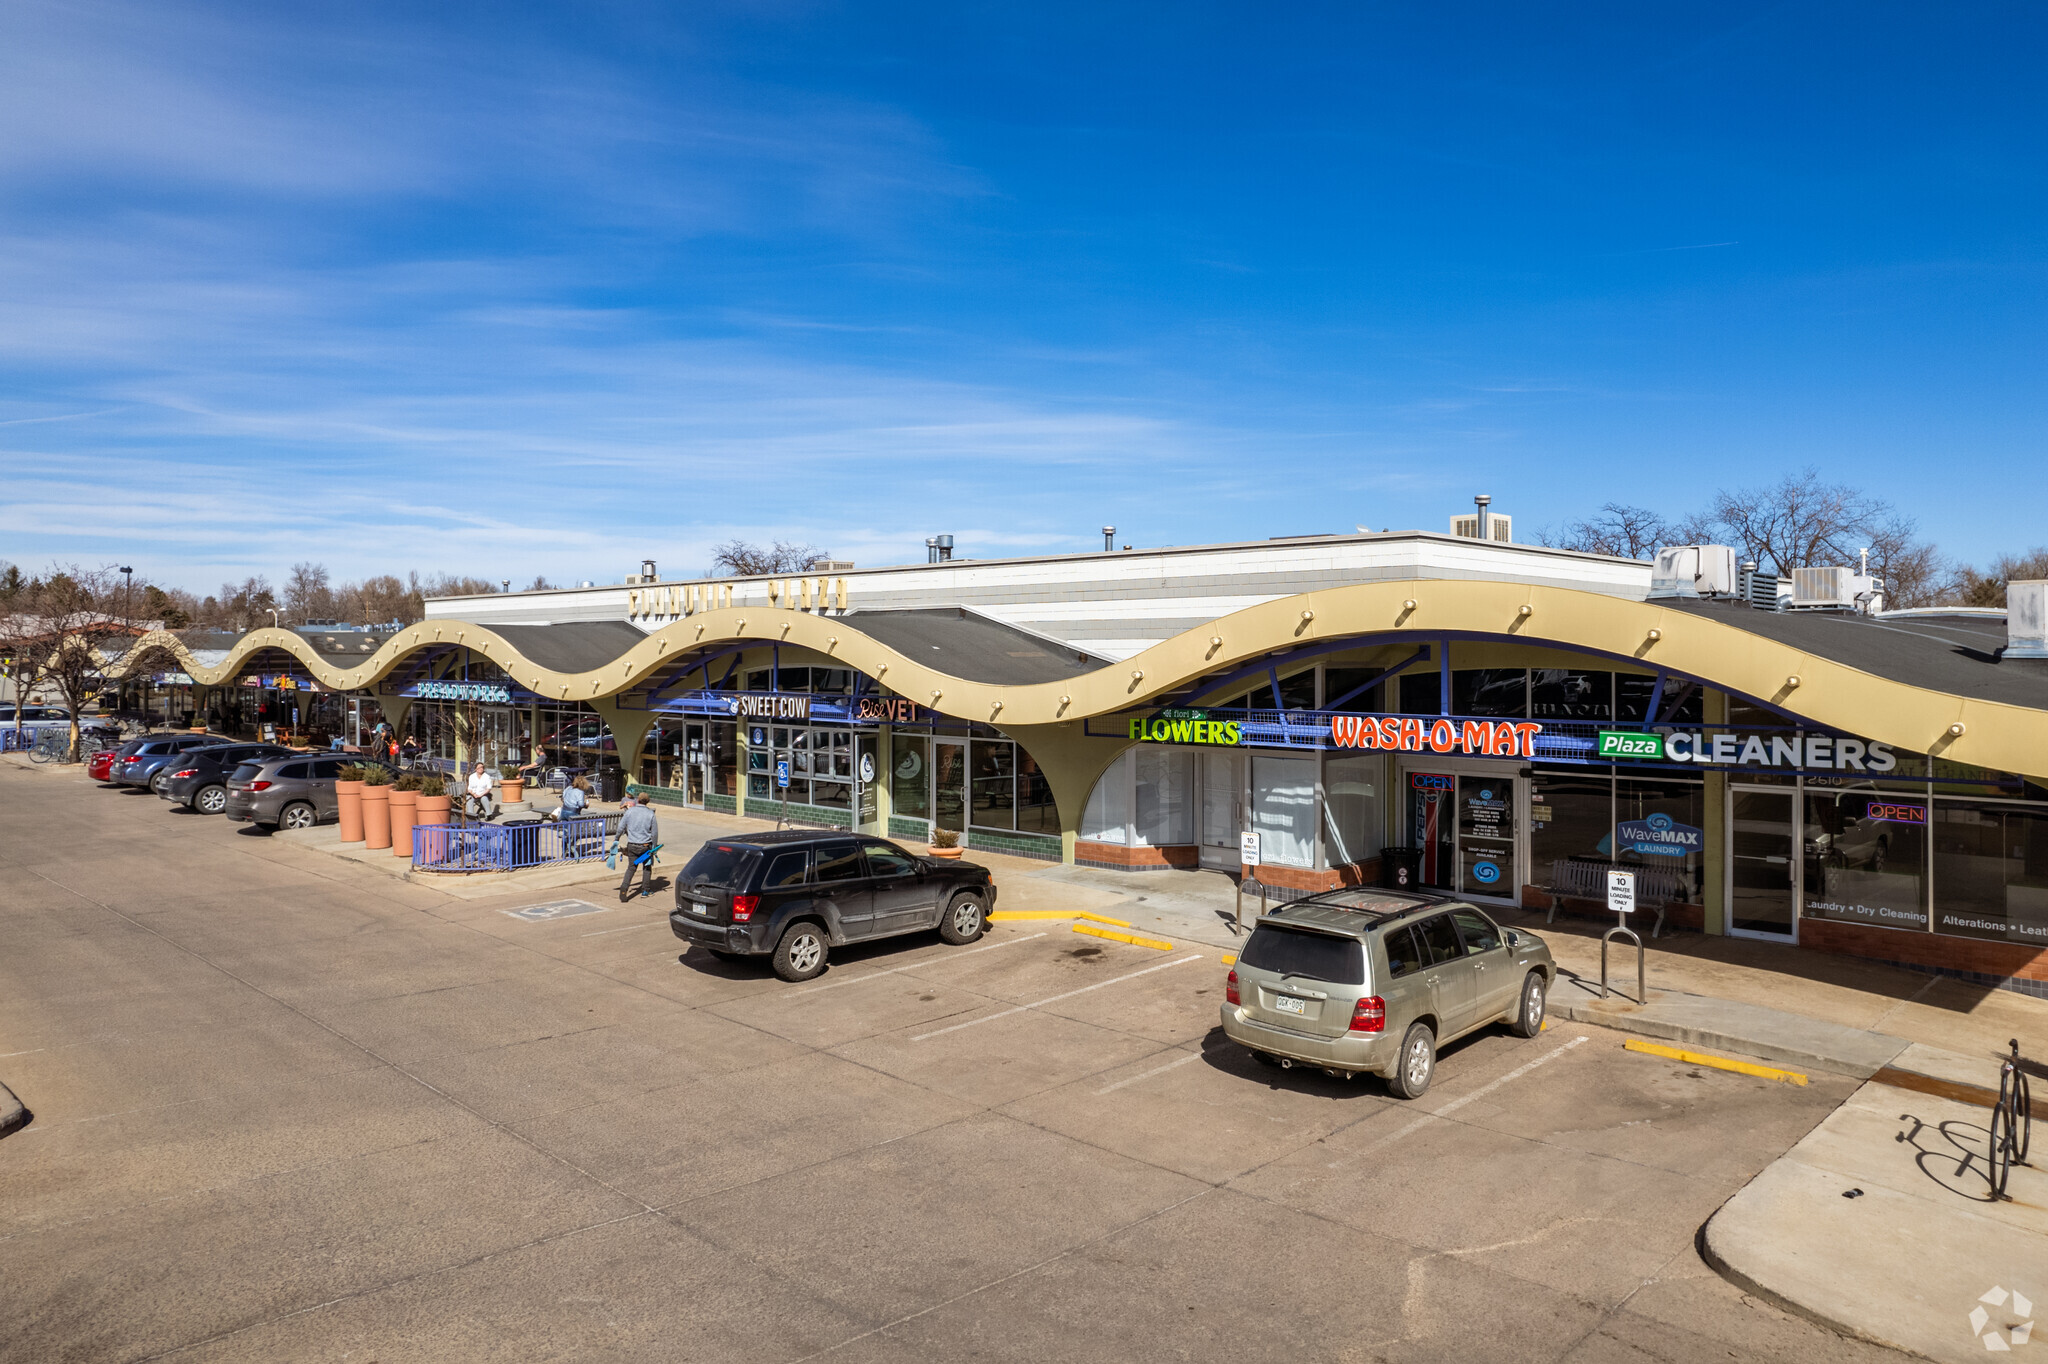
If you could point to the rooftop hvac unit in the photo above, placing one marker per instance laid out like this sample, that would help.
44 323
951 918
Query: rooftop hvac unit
1764 591
1500 527
2026 619
1831 589
1694 571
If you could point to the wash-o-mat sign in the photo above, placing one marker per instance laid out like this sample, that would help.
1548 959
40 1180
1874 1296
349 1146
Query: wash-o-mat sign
1410 734
1185 727
1659 835
1809 751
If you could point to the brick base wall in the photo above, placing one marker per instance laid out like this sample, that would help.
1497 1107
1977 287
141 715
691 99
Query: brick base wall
2005 966
1117 857
1366 873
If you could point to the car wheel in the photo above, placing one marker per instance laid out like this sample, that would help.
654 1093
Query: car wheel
210 800
1877 856
1529 1021
1417 1064
964 920
156 782
297 815
801 953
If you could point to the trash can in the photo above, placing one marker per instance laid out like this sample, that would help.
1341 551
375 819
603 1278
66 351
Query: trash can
611 783
1400 868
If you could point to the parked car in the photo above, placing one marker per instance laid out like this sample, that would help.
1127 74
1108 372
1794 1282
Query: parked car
143 765
199 778
100 766
34 717
794 896
1351 981
292 792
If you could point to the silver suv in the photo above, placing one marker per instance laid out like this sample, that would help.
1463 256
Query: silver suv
293 792
1369 980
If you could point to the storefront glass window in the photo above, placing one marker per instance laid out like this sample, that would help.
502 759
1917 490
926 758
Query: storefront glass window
1569 816
1284 809
1567 694
1661 826
1680 704
992 767
1036 812
1163 796
1339 682
1109 804
1991 871
722 752
1419 692
1489 691
1865 860
662 753
910 779
1351 808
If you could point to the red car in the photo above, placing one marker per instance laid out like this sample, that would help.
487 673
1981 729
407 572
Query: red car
100 766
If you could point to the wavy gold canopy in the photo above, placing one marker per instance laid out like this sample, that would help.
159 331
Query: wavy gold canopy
1992 734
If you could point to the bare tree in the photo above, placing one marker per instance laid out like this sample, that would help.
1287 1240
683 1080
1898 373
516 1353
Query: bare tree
61 621
739 559
1630 532
307 595
1972 587
1800 521
1913 572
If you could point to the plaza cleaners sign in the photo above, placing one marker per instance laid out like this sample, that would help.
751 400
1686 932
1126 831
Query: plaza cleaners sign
1411 734
1807 751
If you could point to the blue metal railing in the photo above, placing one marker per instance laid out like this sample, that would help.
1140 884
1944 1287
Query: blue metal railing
506 847
17 741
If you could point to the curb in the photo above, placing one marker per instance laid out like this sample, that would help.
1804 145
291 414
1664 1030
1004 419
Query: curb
1856 1068
13 1113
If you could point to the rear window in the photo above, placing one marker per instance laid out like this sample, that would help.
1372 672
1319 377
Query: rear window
1317 956
718 864
246 772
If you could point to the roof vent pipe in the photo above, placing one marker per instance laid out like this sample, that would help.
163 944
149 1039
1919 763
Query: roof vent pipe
647 570
2026 619
1109 537
1483 501
942 548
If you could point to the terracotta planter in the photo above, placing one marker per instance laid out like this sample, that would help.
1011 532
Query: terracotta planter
404 811
348 795
432 809
942 852
511 789
376 816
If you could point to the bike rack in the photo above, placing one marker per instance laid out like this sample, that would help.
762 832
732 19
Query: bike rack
1642 987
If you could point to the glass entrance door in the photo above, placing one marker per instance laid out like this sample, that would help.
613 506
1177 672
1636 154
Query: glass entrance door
949 784
1432 825
1222 808
1763 864
1486 835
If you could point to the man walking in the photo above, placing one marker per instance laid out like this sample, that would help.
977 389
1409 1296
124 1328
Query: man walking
639 831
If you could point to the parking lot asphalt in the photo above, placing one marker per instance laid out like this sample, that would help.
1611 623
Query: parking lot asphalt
290 1109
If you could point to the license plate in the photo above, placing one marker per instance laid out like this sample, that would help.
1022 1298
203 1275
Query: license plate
1288 1004
698 907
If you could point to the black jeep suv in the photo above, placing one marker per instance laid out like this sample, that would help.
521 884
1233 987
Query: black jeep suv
796 896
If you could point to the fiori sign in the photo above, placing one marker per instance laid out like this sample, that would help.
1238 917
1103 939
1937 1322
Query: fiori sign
1160 730
1660 836
1417 734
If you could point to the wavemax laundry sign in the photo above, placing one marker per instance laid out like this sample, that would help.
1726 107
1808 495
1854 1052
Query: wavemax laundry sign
1412 734
1660 836
1807 751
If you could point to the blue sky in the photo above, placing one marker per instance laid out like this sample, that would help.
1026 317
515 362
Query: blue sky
509 290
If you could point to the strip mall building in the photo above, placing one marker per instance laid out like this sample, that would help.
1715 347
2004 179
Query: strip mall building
1523 719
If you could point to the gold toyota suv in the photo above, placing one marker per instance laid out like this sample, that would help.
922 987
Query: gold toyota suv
1361 980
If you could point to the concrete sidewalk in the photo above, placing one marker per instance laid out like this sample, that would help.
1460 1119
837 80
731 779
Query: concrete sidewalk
1878 1223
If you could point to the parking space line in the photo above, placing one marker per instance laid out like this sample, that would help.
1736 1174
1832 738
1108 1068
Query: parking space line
928 961
1156 1070
1454 1105
627 929
1039 1004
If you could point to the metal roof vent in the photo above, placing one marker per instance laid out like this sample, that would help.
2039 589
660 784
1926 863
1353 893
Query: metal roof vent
2026 619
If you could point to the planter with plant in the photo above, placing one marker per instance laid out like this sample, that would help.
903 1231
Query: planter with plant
945 843
376 807
405 795
433 802
348 800
512 784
